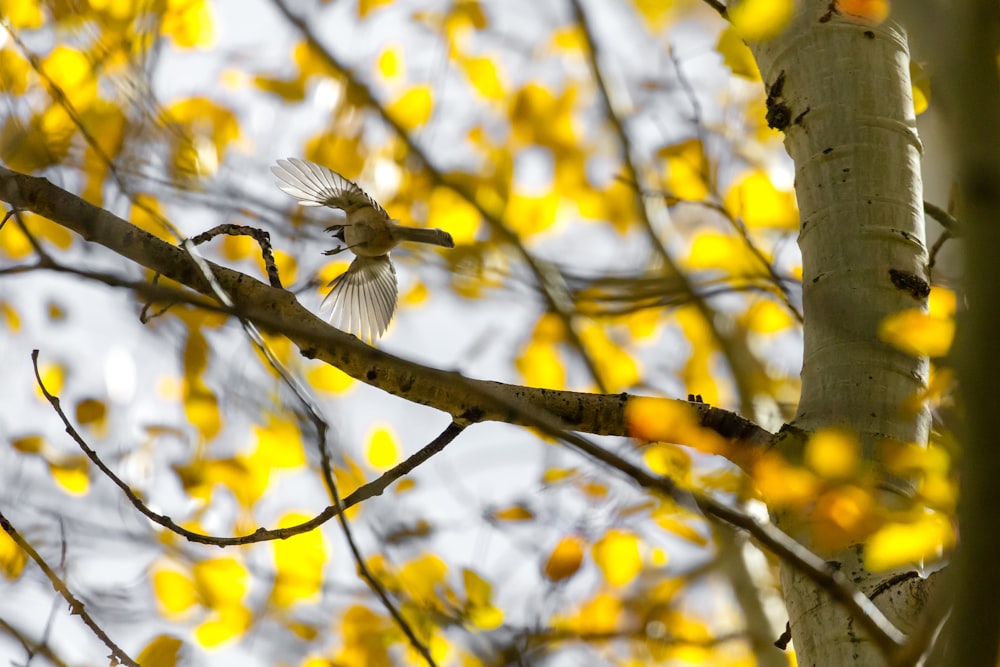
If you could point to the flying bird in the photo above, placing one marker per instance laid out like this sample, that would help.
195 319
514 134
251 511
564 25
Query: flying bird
363 298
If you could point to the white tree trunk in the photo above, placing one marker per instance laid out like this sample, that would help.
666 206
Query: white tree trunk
840 90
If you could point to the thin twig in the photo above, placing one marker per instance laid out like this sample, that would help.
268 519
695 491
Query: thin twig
364 492
943 218
76 607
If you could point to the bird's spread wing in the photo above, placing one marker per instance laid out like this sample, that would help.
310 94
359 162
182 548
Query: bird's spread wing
363 298
315 185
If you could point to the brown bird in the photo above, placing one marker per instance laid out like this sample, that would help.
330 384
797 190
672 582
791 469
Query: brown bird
363 298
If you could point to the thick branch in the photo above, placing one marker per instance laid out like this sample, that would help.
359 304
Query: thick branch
277 310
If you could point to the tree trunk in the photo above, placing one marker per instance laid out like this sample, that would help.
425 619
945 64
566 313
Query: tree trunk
839 88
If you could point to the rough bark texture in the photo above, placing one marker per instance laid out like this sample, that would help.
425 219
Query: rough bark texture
839 88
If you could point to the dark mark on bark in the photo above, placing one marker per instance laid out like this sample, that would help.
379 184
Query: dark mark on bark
910 282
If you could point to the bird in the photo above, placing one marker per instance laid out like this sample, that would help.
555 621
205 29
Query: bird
362 299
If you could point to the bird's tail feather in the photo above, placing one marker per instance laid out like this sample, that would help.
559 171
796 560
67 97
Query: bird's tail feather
421 235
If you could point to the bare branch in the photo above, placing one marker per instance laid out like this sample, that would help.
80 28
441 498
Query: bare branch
279 311
75 606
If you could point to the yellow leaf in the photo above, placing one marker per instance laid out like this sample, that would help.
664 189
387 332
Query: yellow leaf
424 579
565 559
390 62
757 20
941 302
331 379
72 73
225 625
699 371
279 443
174 591
875 11
899 544
29 444
202 409
413 108
22 14
416 295
767 317
298 564
843 515
833 453
447 210
12 558
756 201
162 651
72 474
52 375
202 130
686 170
344 153
670 461
513 513
9 314
783 485
484 75
918 333
736 55
14 68
477 590
90 411
189 23
553 475
365 7
676 520
667 420
615 366
617 555
220 582
540 366
597 616
920 84
486 617
531 213
382 451
569 38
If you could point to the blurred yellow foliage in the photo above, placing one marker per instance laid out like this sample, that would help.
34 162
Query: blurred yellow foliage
298 564
161 651
617 555
897 544
565 559
382 451
686 170
757 20
12 557
918 333
479 608
673 421
833 453
331 379
759 204
413 108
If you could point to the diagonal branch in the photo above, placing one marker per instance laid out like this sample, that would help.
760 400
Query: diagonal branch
469 401
76 607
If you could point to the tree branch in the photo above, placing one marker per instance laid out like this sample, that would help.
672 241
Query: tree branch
76 607
467 400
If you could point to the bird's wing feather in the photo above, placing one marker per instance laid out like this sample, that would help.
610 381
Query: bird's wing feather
316 185
363 298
